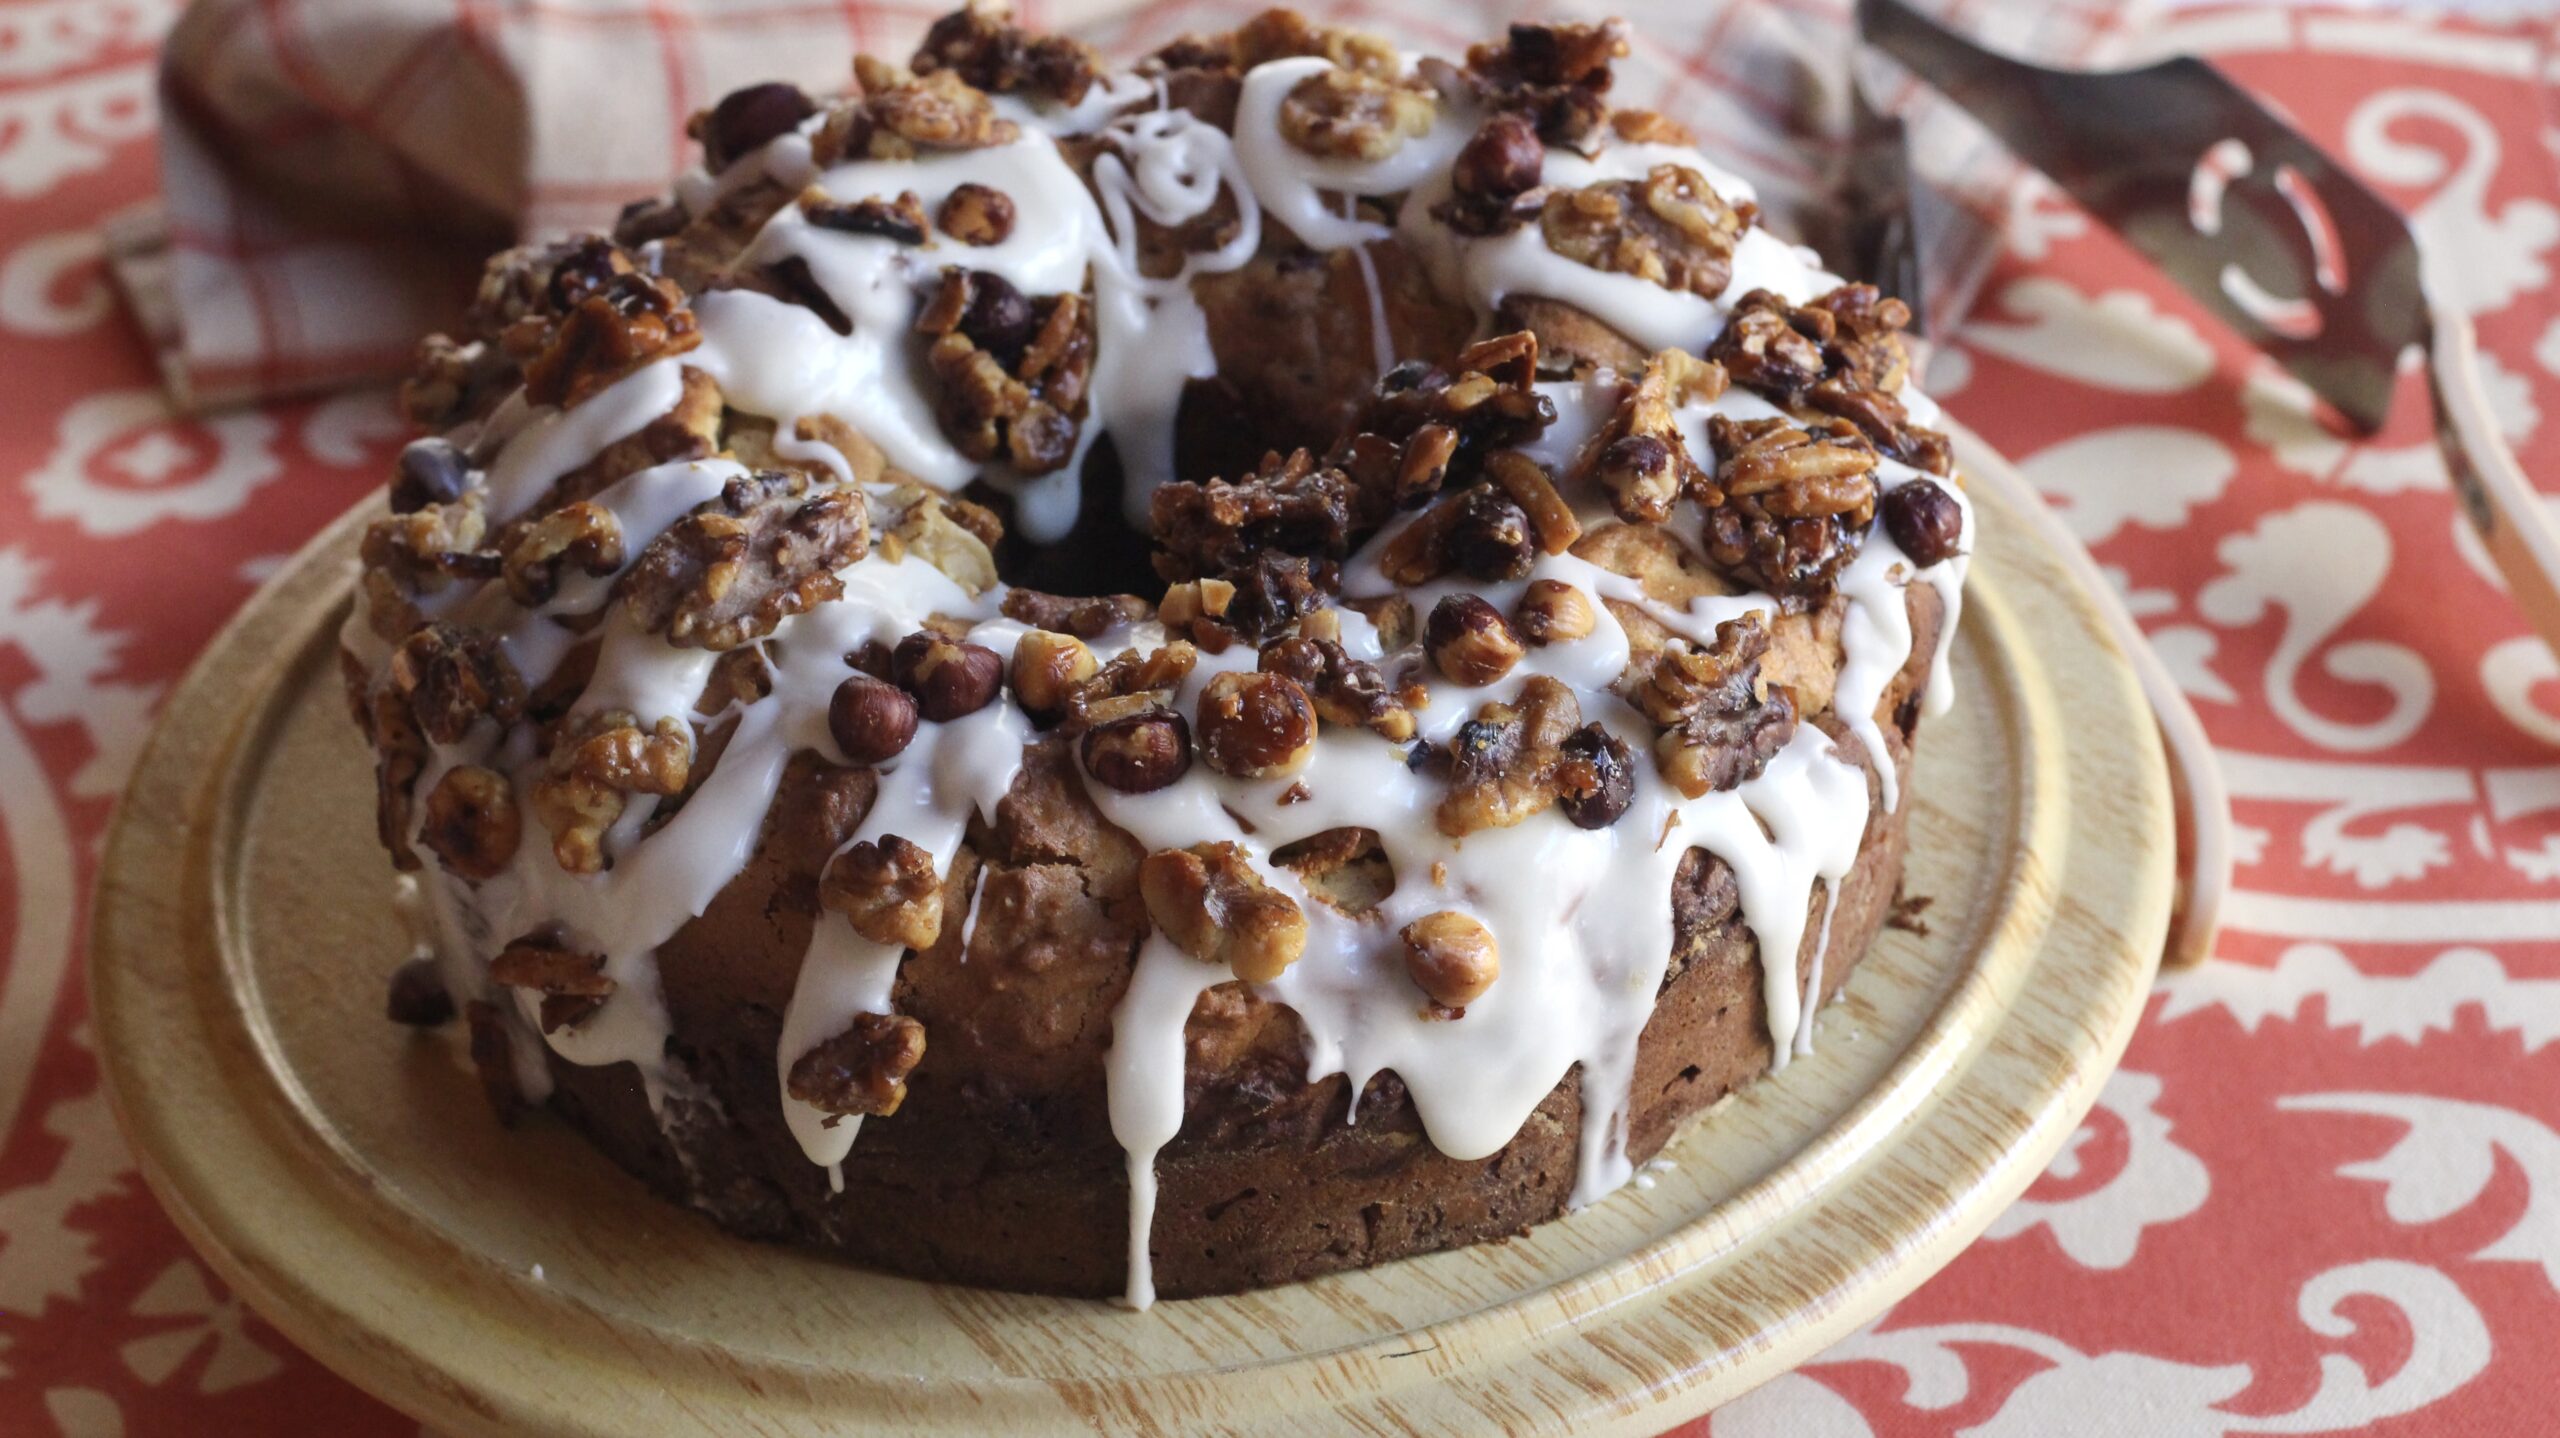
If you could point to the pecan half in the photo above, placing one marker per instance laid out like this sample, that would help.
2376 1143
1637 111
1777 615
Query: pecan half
740 564
863 1070
888 890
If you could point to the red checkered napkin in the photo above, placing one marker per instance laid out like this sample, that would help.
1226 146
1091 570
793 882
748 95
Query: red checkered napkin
333 171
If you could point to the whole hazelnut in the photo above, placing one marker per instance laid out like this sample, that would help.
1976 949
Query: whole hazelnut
951 678
998 319
1489 536
1451 957
1596 778
1503 158
1924 521
1047 666
1140 752
418 996
1470 640
431 471
872 722
1553 612
750 119
1256 726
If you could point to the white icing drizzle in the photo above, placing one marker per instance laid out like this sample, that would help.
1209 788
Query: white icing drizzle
1584 948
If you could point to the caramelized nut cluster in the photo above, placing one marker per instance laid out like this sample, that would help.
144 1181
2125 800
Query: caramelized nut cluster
598 760
1345 114
1639 458
1842 356
738 565
1556 75
1670 228
1720 723
1789 506
1011 371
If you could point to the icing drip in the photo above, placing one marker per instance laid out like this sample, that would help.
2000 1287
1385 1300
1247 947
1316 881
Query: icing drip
1584 949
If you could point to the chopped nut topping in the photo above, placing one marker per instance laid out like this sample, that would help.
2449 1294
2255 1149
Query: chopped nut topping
1480 532
748 120
1639 457
1344 690
888 890
863 1070
1504 762
1842 355
596 763
450 381
1047 668
871 721
572 984
951 678
1287 506
1470 641
1789 507
901 115
1195 602
1354 115
1558 75
901 219
1256 726
982 45
1084 618
1551 611
1670 228
1596 780
611 327
1209 901
583 535
735 567
1012 371
1150 676
1527 482
1276 591
471 822
1423 430
1721 723
422 552
976 214
950 534
1452 958
451 678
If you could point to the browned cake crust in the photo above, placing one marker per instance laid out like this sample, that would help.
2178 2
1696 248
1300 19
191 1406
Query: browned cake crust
1001 1169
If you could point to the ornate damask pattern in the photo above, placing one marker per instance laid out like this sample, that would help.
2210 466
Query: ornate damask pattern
2323 1195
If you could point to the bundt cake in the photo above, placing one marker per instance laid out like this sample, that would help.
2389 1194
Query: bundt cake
1545 569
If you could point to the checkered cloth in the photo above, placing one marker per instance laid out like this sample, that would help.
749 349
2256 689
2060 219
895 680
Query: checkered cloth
333 171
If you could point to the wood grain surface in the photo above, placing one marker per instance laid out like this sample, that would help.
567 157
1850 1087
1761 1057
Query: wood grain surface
345 1176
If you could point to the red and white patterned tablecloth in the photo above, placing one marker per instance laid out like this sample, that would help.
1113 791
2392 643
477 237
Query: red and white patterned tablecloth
2323 1194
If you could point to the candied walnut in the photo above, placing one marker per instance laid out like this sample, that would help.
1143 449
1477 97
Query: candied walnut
1639 457
747 120
901 115
1150 676
1344 690
596 763
1504 762
1789 506
422 552
1084 618
1280 34
950 678
399 757
1047 667
1557 75
1423 430
901 219
930 527
1011 372
738 565
1924 521
1650 127
610 330
1841 355
1210 902
1256 726
1670 228
573 984
1721 722
871 720
1596 779
1286 506
1136 746
418 996
1480 532
471 822
983 46
1343 114
1470 641
584 536
450 381
863 1070
1452 958
451 678
888 890
1551 611
976 214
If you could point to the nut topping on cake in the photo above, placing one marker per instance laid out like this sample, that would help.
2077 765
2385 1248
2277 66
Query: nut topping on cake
1503 764
871 721
1470 641
1789 506
1256 725
1211 903
597 762
1452 959
572 984
863 1070
888 890
737 566
1670 228
1721 724
471 822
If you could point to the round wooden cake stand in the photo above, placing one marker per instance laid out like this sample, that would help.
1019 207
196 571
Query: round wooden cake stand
346 1178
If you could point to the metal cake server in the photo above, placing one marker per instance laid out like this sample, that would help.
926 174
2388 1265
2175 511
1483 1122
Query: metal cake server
2270 235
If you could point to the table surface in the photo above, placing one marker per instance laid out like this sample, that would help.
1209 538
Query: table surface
2322 1195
